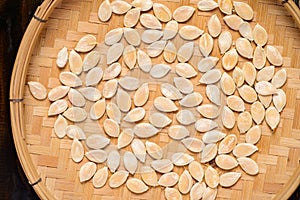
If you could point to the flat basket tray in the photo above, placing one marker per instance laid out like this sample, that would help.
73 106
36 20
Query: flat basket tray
46 158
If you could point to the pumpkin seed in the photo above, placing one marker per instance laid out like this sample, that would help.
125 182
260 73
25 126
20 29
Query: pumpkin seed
198 188
190 32
113 112
111 127
145 130
244 150
170 91
207 63
227 144
136 186
91 60
196 171
193 144
149 176
170 52
76 98
123 100
162 166
94 76
244 122
230 59
211 77
228 118
211 176
279 78
233 21
226 162
150 21
225 6
57 107
114 52
113 36
97 141
96 156
70 79
272 117
149 36
253 135
113 161
183 13
132 36
100 177
159 71
224 41
238 76
112 71
129 83
164 104
170 30
204 125
208 111
86 43
214 26
265 88
265 74
247 93
265 100
248 165
145 5
279 100
60 126
185 182
125 138
260 35
207 5
98 109
131 18
118 178
235 103
213 136
37 90
185 117
156 48
162 12
172 194
62 57
74 131
110 88
154 150
159 120
184 85
90 93
58 92
77 151
129 56
206 44
130 162
104 11
182 159
87 171
243 10
185 52
229 179
274 55
227 84
120 7
144 61
259 57
208 153
169 179
244 48
135 115
178 132
141 95
139 149
191 100
246 31
209 193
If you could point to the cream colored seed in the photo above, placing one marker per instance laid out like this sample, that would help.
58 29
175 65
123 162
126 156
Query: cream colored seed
159 120
247 93
206 44
141 95
91 60
253 135
224 41
169 179
118 178
129 56
265 88
162 12
96 156
37 90
57 107
228 118
181 159
244 48
274 55
131 18
279 100
150 21
74 131
159 71
225 6
105 11
197 190
125 138
112 71
149 36
172 194
191 100
132 36
154 150
190 32
235 103
123 100
170 52
230 59
178 132
87 171
227 144
213 93
86 43
110 88
144 61
149 176
135 115
265 74
212 178
114 53
60 126
111 127
58 92
209 193
129 83
185 117
211 77
238 76
170 91
193 144
62 57
279 79
97 141
90 93
265 100
244 150
185 182
100 177
170 30
70 79
77 151
207 5
214 26
183 13
113 112
184 85
156 48
272 117
120 7
246 31
94 76
98 109
227 84
226 162
229 179
113 36
233 21
257 112
136 186
113 161
145 130
196 170
185 52
145 5
207 63
248 165
208 153
213 136
76 98
162 166
208 110
249 72
204 125
259 57
130 162
164 104
243 10
244 122
260 35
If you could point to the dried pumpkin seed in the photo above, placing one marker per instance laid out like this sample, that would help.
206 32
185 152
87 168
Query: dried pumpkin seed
135 115
111 127
191 100
118 178
211 177
164 104
244 122
136 186
100 177
112 71
113 36
62 57
227 144
105 11
162 12
185 52
129 56
159 120
77 151
97 141
98 109
150 21
206 44
224 41
149 176
87 171
272 117
183 13
190 32
125 138
226 162
86 43
113 161
204 125
228 118
178 132
130 162
154 150
57 107
110 88
169 179
214 26
141 95
145 130
96 156
184 85
131 18
37 90
229 179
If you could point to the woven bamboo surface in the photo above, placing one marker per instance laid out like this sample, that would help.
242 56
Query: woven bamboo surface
279 151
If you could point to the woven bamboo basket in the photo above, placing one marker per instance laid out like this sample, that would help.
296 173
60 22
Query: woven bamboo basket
46 159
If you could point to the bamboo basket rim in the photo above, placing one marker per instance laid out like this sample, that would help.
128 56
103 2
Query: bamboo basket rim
18 78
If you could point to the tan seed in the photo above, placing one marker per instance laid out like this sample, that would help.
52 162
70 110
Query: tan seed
113 36
129 56
70 79
172 194
225 6
57 107
91 60
129 83
204 125
184 85
253 135
62 57
90 93
185 52
248 165
113 112
96 156
229 179
178 132
265 88
139 149
150 21
94 76
118 178
114 53
243 10
226 162
132 36
230 59
170 52
209 193
185 182
259 57
238 76
125 138
244 122
162 166
74 131
37 90
279 100
141 95
213 93
190 32
100 177
183 13
110 88
130 162
227 144
207 5
228 118
105 11
113 161
247 93
98 109
214 26
279 79
170 30
97 141
260 35
145 5
198 188
111 127
120 7
227 84
265 100
191 100
169 179
233 21
112 71
274 55
86 43
244 150
135 115
272 117
164 104
208 110
77 151
149 176
136 186
162 12
257 112
208 153
245 30
244 48
193 144
131 18
58 92
60 126
181 159
154 150
235 103
87 171
265 74
144 61
76 98
224 41
145 130
196 171
206 44
212 178
185 117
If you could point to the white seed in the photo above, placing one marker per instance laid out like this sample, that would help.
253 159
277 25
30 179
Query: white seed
279 100
244 48
113 112
96 156
228 118
209 193
150 21
230 59
260 35
132 17
77 151
227 84
58 92
170 30
111 127
226 162
170 91
190 32
136 186
60 126
253 135
156 48
196 170
248 165
279 78
100 177
159 120
149 176
113 161
62 57
214 26
57 107
185 52
211 176
130 162
235 103
76 98
144 61
193 144
178 132
227 144
145 130
37 90
123 100
182 159
70 79
104 11
185 182
185 117
244 122
132 36
91 60
265 100
129 56
125 138
225 6
90 93
97 141
213 93
265 88
183 13
74 131
87 171
162 166
238 76
113 36
135 115
112 71
118 178
129 83
208 111
191 100
233 21
213 136
224 41
259 57
198 188
164 104
139 149
141 95
169 179
145 5
110 88
229 179
162 12
206 64
246 31
170 52
265 74
247 93
94 76
114 53
159 71
274 55
207 5
98 109
184 85
243 10
272 117
149 36
211 77
172 194
154 150
204 125
244 150
120 7
206 44
86 43
208 153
